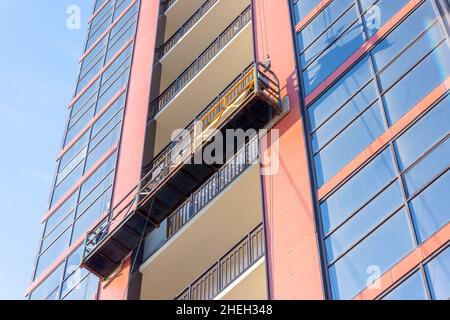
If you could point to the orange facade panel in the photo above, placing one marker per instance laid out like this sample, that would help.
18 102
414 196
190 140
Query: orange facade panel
292 247
117 287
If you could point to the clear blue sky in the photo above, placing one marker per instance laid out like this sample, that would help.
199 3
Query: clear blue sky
38 67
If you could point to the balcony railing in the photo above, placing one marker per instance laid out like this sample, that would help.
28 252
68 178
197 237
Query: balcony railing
201 130
201 61
169 44
253 85
165 5
232 265
243 159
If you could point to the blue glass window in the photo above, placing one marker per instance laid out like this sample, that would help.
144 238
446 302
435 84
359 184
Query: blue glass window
118 41
333 57
321 22
88 108
102 15
349 143
384 10
366 4
73 151
79 124
427 168
430 208
339 94
98 4
61 236
87 218
64 186
49 287
85 97
399 39
403 67
418 51
92 198
98 176
364 221
57 231
355 271
53 252
71 166
412 288
95 54
85 290
73 262
331 35
420 81
438 275
73 281
120 7
61 213
303 7
97 31
127 19
358 190
353 108
429 130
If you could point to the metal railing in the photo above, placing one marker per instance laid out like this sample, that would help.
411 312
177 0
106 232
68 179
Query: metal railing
165 5
232 265
201 61
169 44
252 81
243 159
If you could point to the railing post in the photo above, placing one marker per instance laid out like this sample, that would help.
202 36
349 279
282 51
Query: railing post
169 222
191 205
247 154
263 242
85 245
250 249
241 20
216 184
219 277
255 77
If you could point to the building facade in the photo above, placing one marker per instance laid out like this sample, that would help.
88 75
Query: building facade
329 125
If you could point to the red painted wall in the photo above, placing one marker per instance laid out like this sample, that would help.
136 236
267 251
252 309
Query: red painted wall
117 288
293 258
128 172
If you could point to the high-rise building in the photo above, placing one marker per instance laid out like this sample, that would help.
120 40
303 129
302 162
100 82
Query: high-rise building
313 161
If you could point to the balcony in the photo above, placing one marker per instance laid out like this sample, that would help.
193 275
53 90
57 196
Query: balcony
165 5
176 12
250 285
196 35
203 239
185 28
250 102
180 100
225 176
231 269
